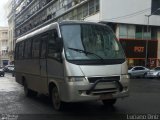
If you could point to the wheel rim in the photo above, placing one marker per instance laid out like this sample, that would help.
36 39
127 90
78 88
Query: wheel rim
56 98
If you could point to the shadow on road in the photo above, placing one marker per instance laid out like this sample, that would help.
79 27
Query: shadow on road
79 107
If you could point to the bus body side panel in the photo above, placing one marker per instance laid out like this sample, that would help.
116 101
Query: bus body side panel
24 71
34 76
43 85
55 71
34 70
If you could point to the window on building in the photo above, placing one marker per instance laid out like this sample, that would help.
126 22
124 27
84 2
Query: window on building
4 52
74 14
85 10
139 32
123 31
79 13
4 42
4 34
154 33
142 32
131 31
155 6
96 5
146 32
91 7
53 12
127 31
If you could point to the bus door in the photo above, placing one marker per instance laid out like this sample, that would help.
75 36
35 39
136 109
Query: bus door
55 67
43 64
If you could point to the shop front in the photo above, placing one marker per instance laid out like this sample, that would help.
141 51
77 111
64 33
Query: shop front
135 50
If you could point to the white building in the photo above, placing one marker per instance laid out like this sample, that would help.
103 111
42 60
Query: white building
133 27
126 17
11 27
4 59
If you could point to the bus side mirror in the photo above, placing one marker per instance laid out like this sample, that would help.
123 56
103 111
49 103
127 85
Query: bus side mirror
59 44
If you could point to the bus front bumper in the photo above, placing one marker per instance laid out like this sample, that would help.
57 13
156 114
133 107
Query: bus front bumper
79 93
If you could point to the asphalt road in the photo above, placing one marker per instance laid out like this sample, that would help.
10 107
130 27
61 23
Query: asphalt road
144 100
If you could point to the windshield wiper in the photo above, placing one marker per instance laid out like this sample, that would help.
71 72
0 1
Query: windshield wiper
86 52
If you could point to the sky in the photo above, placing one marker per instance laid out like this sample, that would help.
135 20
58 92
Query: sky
3 16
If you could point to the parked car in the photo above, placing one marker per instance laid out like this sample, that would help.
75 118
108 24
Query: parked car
13 72
154 73
137 71
2 71
9 68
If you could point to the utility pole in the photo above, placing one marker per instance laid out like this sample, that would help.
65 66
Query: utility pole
146 54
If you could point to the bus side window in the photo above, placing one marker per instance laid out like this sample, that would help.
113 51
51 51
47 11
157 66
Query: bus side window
27 49
16 52
43 46
52 45
21 50
35 47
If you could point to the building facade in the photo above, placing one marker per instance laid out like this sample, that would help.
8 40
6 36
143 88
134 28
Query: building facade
4 59
11 28
137 26
136 23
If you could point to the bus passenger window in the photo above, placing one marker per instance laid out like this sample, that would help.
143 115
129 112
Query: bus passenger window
52 45
43 46
35 48
21 50
27 49
16 51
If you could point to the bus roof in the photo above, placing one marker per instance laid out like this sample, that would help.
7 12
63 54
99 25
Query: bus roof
65 22
51 26
36 32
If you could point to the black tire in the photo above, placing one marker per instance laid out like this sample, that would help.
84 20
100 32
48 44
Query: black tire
28 92
158 75
56 101
145 75
12 74
130 76
109 102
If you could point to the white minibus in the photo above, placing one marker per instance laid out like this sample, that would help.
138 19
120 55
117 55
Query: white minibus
72 61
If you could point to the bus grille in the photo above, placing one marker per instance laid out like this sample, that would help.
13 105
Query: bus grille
94 79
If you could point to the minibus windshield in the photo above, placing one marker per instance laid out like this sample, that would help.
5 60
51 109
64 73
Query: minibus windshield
96 39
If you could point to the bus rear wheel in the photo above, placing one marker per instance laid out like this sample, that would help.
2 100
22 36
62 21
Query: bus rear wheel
28 92
56 101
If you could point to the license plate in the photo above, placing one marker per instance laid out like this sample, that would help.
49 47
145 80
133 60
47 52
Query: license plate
105 85
106 96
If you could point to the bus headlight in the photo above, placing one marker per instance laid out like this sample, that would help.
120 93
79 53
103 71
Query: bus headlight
125 80
76 79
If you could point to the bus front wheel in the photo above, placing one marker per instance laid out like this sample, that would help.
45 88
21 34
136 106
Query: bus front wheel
56 101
